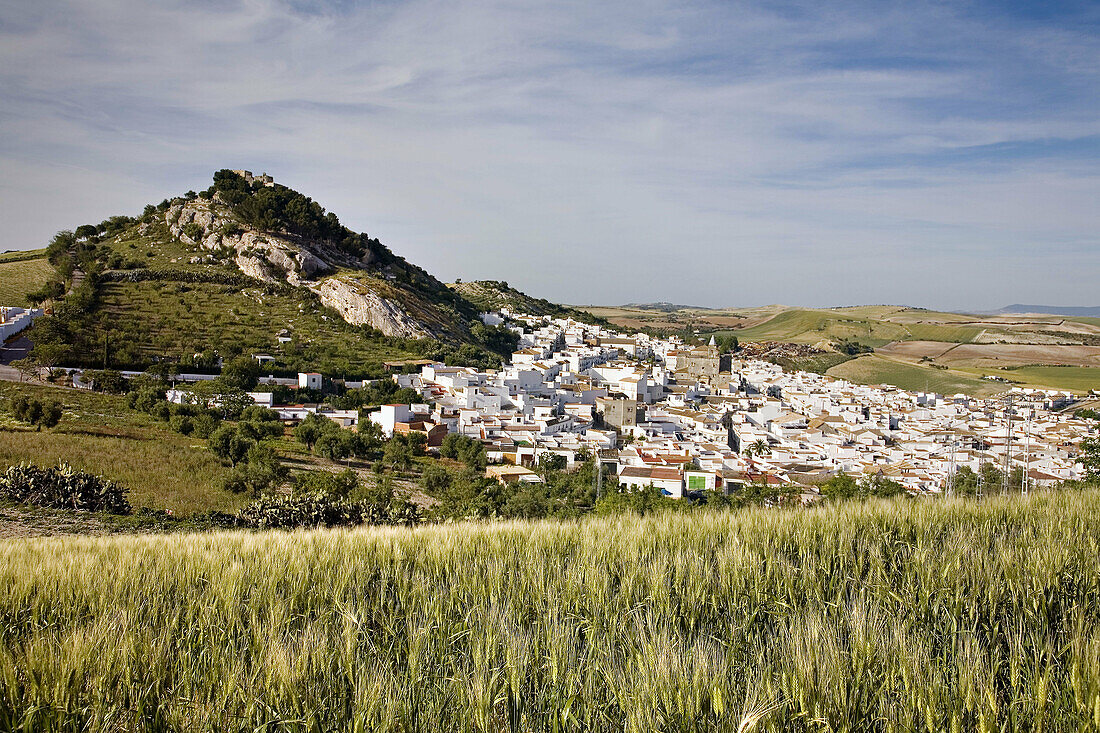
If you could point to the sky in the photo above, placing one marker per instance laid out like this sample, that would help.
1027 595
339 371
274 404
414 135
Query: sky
935 154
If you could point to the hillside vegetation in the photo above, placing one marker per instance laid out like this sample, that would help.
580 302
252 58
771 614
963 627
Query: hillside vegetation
98 433
903 616
247 266
492 295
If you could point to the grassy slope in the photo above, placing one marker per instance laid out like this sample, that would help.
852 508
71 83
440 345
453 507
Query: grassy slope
185 318
931 615
875 369
488 296
21 276
867 326
99 434
1073 378
180 318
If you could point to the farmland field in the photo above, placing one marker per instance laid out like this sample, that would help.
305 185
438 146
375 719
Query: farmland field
874 369
906 615
994 356
21 276
1073 378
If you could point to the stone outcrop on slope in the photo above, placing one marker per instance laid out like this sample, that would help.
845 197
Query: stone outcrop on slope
361 305
285 258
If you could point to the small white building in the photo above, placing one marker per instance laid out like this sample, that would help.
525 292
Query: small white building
309 380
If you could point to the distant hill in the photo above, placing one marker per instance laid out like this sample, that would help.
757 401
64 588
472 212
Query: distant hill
664 307
492 295
1054 310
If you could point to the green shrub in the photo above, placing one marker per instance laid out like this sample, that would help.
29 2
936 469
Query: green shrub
194 231
63 487
182 424
41 413
204 425
107 380
316 510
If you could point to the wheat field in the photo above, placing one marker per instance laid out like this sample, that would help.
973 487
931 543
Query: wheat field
942 615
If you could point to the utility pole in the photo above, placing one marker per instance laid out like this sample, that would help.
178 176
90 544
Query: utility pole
1006 480
1027 456
951 472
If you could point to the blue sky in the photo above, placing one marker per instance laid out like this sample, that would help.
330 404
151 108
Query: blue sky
937 154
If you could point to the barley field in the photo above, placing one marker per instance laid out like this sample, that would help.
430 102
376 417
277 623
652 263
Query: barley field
941 615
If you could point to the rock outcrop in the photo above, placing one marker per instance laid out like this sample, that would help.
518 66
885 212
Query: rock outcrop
271 257
360 305
267 256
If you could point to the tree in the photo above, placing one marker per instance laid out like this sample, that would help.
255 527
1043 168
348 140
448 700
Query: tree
758 448
964 482
258 473
227 442
86 231
464 448
337 445
880 486
312 427
435 479
1090 458
551 462
371 438
242 373
726 343
107 380
27 366
843 486
840 486
164 371
339 485
49 354
417 443
230 400
397 454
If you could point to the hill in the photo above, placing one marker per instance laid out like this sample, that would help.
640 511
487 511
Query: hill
246 266
914 348
493 295
1056 310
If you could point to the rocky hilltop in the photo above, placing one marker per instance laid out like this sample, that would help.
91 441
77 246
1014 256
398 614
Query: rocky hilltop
277 235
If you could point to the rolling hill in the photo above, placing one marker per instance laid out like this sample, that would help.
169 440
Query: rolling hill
1057 310
914 348
246 266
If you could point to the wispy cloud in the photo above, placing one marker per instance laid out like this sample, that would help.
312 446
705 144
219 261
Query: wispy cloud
707 152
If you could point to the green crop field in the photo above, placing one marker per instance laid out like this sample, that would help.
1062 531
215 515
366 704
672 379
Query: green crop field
873 327
907 615
1074 378
20 276
874 369
99 434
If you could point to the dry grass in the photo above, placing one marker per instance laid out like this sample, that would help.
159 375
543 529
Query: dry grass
99 434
